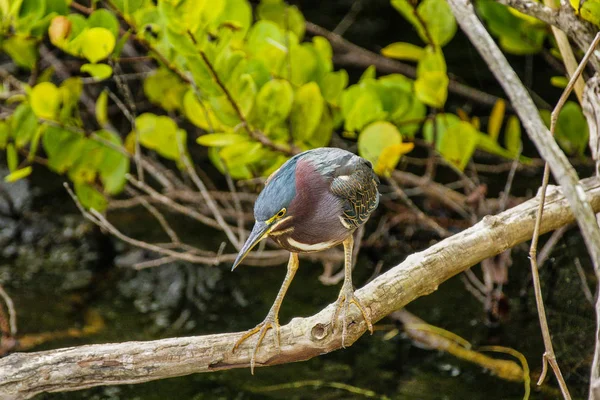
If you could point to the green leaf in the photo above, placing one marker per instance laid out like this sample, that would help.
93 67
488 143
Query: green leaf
220 139
375 137
403 51
161 134
165 89
431 86
97 44
306 111
199 114
203 78
4 134
102 108
267 43
114 165
455 140
241 154
512 135
12 159
571 130
382 139
181 41
435 22
244 93
496 119
325 52
128 7
560 82
102 18
360 106
286 17
23 125
45 100
274 102
399 100
97 71
23 50
305 62
333 84
240 172
322 135
439 21
90 198
18 174
63 148
516 35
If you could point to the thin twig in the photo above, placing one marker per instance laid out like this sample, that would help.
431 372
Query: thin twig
12 313
584 284
206 196
132 111
442 232
349 18
550 244
156 214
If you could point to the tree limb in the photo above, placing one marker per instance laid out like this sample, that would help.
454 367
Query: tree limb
25 375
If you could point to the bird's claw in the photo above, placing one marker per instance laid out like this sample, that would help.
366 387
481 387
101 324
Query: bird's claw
344 300
270 322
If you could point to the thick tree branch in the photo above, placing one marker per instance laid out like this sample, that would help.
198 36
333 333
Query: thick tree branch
25 375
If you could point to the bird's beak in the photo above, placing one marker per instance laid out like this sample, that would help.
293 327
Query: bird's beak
260 230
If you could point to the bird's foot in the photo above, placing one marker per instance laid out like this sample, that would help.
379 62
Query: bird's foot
271 322
344 300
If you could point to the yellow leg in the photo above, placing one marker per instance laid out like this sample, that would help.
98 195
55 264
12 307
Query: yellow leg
272 319
347 296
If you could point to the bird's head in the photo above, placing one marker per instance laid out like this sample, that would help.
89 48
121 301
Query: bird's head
272 208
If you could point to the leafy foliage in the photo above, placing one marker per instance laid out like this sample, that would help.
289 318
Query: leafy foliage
255 87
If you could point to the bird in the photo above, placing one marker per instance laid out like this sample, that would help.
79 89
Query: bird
316 200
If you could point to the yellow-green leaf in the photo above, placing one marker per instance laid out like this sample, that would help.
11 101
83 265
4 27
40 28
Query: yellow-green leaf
374 139
97 71
560 82
4 134
90 198
390 156
512 135
496 118
220 139
102 108
403 51
12 158
45 100
18 174
306 111
97 44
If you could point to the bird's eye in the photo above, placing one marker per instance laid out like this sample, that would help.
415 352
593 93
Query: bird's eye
281 213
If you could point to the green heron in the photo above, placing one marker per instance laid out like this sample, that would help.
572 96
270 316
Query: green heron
313 202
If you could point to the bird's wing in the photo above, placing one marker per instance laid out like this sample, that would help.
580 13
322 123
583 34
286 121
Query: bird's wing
356 184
